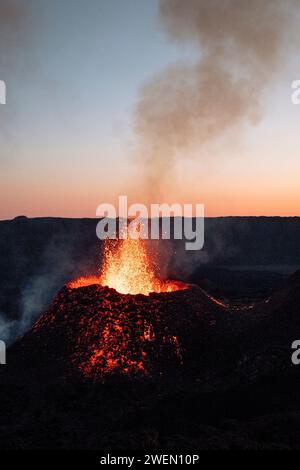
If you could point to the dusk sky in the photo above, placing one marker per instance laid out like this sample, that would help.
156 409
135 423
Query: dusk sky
74 71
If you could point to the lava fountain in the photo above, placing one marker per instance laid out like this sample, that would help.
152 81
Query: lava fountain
129 269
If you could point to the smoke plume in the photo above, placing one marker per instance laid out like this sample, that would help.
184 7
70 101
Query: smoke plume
242 46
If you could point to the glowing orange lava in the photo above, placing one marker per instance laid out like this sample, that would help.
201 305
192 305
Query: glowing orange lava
84 282
128 269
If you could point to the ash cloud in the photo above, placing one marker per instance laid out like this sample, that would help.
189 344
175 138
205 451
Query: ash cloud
242 46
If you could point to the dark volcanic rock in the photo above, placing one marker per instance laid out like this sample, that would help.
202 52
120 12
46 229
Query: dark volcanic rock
101 370
94 331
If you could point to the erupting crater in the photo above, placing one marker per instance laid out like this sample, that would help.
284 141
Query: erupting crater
128 269
120 333
103 332
123 322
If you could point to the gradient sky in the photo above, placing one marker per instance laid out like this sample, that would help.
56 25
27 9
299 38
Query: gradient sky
66 130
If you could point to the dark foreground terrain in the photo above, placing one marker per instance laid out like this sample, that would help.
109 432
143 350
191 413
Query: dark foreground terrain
226 382
208 367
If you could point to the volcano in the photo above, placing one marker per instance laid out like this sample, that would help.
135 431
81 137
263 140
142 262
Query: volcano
166 369
125 321
94 332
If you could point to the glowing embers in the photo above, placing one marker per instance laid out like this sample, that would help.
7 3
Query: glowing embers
115 353
121 334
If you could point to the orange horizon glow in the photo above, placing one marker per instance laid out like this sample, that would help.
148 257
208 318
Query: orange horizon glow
220 197
211 211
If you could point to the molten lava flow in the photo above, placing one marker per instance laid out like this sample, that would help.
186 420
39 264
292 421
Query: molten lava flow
128 269
84 282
